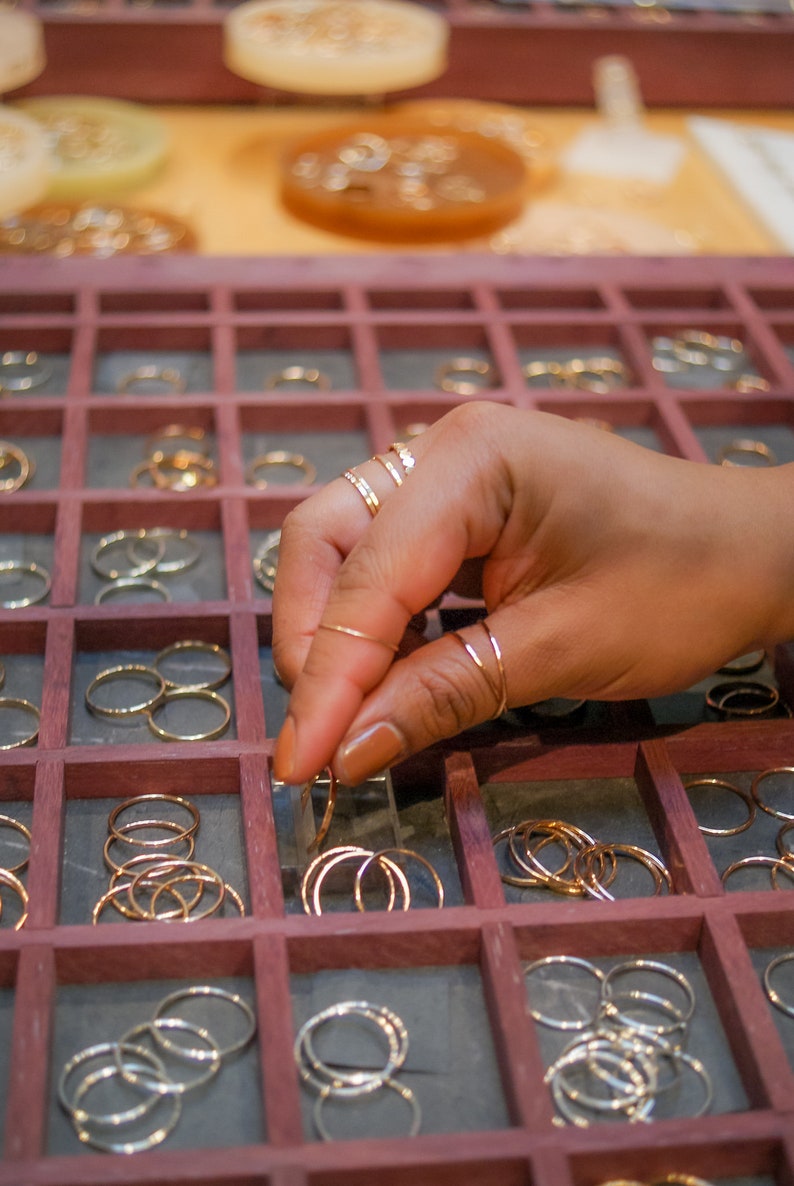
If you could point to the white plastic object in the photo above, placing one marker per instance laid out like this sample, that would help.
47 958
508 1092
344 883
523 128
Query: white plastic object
22 56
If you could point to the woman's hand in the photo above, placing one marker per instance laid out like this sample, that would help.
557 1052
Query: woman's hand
608 572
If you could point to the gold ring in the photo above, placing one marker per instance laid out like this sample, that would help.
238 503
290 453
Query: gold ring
498 687
154 797
35 372
297 374
10 453
280 458
170 376
12 881
8 821
718 695
265 561
364 489
127 538
591 374
358 634
538 368
407 459
745 447
451 376
190 694
748 383
756 794
328 814
162 537
390 467
195 645
188 471
12 702
125 583
124 671
178 432
34 570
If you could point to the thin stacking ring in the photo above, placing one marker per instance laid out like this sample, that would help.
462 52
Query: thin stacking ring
401 1089
722 783
358 634
745 448
279 458
362 487
774 864
125 671
101 1050
190 694
221 994
756 793
298 374
32 569
390 467
26 706
212 1055
328 814
320 1076
9 453
389 852
130 538
126 583
12 881
390 868
407 459
154 797
576 962
8 821
658 968
161 537
499 688
120 835
772 992
190 644
170 376
718 696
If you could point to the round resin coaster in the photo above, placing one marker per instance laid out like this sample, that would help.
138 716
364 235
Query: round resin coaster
25 162
101 231
400 180
333 47
22 55
98 145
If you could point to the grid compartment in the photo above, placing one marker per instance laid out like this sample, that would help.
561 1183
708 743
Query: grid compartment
457 970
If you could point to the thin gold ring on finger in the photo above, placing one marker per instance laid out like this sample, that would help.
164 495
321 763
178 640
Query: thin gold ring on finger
363 488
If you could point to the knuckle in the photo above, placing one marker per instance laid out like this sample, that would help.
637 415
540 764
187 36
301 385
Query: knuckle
447 703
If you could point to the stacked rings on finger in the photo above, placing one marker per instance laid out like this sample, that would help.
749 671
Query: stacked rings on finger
497 686
156 1090
349 1083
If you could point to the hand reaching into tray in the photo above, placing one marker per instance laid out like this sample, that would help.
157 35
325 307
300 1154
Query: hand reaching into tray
608 571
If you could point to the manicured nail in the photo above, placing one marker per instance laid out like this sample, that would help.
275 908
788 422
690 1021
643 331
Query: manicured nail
370 752
284 757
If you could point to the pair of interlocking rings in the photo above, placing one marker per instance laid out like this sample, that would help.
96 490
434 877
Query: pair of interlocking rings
158 885
348 1082
134 559
16 468
589 867
150 1071
177 459
9 878
629 1044
599 374
166 690
746 698
367 864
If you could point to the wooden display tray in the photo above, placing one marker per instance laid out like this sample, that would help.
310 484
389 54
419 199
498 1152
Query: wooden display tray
366 307
537 54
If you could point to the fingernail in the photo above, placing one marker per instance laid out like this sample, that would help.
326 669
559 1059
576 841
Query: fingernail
284 757
370 752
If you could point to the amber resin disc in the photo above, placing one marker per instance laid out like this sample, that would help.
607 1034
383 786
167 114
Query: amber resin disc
399 180
102 231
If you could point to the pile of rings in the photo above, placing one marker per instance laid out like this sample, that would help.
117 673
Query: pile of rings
348 1082
157 884
165 690
629 1048
589 867
781 864
145 1072
9 879
176 459
368 865
691 349
136 559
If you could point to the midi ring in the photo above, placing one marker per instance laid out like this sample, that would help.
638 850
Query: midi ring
34 570
312 376
406 457
32 372
169 376
745 447
362 487
358 634
452 376
498 687
280 458
13 702
124 584
10 453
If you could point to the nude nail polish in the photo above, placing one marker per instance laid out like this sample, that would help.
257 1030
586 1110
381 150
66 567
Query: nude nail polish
369 752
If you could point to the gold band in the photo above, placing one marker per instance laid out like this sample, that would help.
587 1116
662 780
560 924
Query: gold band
190 694
451 376
195 645
125 583
280 458
312 376
137 671
33 570
10 453
364 489
169 376
498 687
8 821
745 448
407 459
26 706
10 879
358 634
390 467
